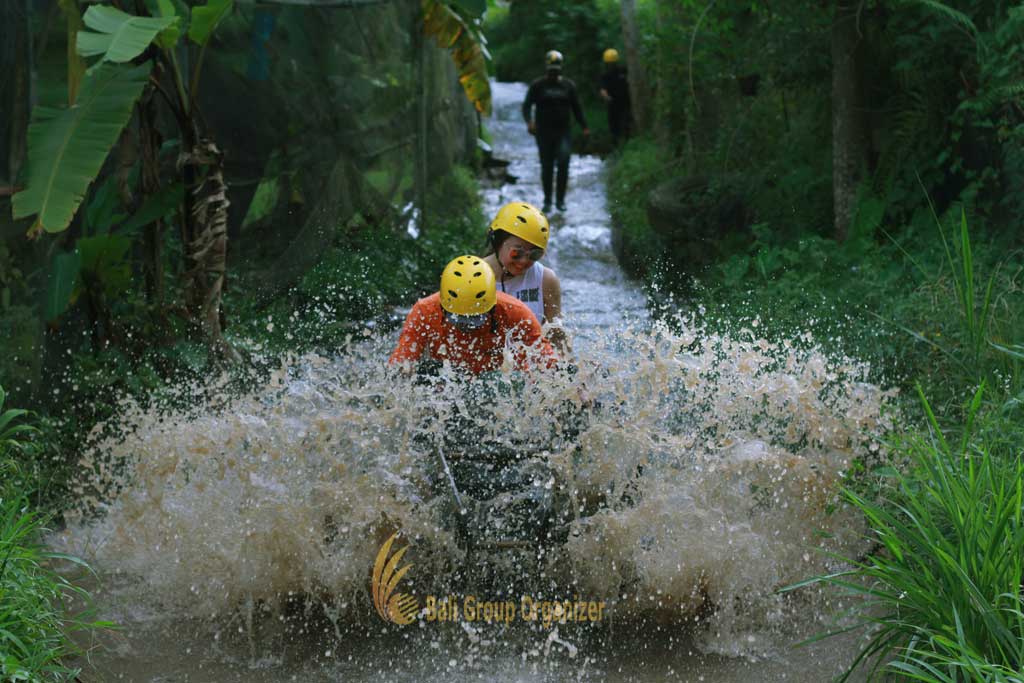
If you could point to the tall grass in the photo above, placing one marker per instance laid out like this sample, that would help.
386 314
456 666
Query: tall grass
35 624
977 316
975 322
35 628
943 593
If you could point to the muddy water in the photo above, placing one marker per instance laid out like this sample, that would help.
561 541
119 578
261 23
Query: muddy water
236 543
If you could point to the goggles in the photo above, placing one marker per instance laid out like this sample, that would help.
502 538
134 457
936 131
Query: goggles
534 254
467 322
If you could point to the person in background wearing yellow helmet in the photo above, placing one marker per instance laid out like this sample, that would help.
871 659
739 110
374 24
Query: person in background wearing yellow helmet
615 91
517 239
556 100
469 323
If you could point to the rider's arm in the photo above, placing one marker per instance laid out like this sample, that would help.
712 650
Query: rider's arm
529 339
553 311
552 289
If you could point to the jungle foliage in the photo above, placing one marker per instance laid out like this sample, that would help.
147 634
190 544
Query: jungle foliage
183 175
163 132
764 129
521 32
734 184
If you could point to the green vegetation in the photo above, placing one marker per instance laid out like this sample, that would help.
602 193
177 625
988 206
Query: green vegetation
224 191
362 277
943 587
321 183
36 622
728 200
521 33
879 218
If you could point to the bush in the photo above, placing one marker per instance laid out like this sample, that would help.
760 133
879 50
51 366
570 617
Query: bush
943 591
35 626
368 271
636 172
921 302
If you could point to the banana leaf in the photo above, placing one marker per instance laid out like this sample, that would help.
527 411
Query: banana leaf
476 8
154 208
118 36
205 19
62 285
104 259
467 49
168 38
67 147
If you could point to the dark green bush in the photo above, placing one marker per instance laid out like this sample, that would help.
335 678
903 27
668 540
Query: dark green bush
634 174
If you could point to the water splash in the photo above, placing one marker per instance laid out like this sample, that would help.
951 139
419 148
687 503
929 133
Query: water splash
709 473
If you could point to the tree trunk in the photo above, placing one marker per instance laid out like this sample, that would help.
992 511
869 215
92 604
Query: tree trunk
150 141
639 92
206 250
849 148
420 176
15 81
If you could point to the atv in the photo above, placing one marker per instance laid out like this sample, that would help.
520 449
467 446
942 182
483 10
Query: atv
504 501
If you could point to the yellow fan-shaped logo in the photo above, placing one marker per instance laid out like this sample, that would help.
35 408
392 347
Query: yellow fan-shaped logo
398 608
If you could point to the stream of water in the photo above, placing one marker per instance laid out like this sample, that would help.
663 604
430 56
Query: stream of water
236 543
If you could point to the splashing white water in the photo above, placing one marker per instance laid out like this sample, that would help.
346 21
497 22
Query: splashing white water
717 460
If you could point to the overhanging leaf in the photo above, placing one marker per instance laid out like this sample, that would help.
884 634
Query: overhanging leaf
118 36
205 19
61 284
103 208
67 147
467 51
168 38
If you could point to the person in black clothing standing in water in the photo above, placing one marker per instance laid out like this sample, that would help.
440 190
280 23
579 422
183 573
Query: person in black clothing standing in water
615 91
556 100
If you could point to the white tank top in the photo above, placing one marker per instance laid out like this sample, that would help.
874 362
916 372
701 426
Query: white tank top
528 288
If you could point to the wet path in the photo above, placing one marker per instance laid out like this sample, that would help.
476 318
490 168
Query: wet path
597 297
224 514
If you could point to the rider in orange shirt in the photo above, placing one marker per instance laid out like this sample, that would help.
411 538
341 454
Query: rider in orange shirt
472 325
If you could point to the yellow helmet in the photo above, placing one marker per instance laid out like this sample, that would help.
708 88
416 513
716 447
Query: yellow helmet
553 59
468 286
611 55
525 221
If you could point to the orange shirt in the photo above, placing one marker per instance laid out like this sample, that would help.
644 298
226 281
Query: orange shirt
425 331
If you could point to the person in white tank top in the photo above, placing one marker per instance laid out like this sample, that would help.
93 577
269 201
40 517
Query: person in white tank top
518 237
528 288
